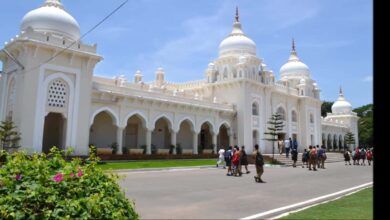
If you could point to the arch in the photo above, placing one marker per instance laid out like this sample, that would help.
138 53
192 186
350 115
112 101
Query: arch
190 120
103 131
161 134
11 90
335 141
323 139
134 130
208 121
140 114
111 112
255 137
294 116
329 142
281 110
166 117
340 141
185 133
255 108
225 73
223 134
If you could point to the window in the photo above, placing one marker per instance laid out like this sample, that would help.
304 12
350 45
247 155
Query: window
294 116
311 118
281 112
255 109
57 94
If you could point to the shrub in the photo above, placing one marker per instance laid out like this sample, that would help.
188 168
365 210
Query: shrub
154 149
171 149
44 186
144 147
114 147
125 150
179 150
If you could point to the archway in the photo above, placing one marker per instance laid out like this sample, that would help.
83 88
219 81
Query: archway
323 139
329 144
135 132
340 142
335 141
255 137
103 131
281 112
161 135
205 137
185 135
54 132
223 137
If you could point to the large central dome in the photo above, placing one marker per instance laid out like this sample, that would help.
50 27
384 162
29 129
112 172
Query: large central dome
237 42
52 17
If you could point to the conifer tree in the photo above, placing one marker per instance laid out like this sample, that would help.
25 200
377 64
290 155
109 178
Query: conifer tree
9 137
349 138
275 126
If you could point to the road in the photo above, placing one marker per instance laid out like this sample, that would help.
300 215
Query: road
210 194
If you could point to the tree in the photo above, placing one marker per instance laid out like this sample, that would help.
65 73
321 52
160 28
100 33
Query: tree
9 137
275 125
349 138
326 107
365 124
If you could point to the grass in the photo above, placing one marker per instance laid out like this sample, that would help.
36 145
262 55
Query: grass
156 164
356 206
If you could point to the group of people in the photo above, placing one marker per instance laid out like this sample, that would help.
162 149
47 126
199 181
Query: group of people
288 145
313 157
233 158
357 155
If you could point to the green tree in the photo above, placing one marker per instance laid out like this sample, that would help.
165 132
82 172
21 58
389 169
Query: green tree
9 137
365 124
349 138
326 107
275 126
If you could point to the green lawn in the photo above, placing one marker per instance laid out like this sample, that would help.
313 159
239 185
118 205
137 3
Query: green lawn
356 206
156 164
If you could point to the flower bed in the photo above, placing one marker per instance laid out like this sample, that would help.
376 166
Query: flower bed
47 187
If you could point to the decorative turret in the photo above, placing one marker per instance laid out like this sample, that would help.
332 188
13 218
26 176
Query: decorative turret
341 106
294 68
138 76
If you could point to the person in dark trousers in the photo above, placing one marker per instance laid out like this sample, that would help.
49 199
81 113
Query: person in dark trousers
259 163
294 156
287 147
295 144
347 157
228 160
305 158
244 159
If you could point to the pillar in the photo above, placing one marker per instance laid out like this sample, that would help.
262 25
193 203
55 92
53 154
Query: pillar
214 142
173 140
148 141
195 143
119 139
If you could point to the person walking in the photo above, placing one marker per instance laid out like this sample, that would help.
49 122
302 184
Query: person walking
369 155
236 162
280 146
305 158
312 157
295 144
228 160
322 157
294 156
287 147
221 157
347 157
259 163
244 159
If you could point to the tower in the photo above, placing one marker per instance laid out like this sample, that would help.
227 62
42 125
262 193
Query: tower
46 89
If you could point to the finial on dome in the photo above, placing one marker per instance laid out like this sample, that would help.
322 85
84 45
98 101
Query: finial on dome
341 91
54 3
237 15
293 45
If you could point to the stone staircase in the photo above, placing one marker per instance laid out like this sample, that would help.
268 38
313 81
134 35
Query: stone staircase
331 158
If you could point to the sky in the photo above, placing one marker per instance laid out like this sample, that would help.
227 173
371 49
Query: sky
333 37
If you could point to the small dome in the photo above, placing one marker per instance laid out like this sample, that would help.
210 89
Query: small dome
302 81
211 65
341 106
237 42
294 68
51 17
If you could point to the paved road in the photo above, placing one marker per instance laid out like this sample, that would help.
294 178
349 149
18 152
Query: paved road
210 194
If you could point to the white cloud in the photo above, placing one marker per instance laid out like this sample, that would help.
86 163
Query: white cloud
368 78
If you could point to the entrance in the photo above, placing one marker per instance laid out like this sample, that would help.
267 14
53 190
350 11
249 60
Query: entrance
54 132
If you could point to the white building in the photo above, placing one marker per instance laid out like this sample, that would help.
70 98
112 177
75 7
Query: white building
48 89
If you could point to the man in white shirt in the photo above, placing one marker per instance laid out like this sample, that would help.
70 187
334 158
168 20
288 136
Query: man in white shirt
221 157
287 146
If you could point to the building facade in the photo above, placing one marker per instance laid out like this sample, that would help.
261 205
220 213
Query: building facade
50 92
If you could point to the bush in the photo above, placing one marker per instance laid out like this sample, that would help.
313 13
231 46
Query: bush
144 147
44 186
179 150
114 147
171 149
125 150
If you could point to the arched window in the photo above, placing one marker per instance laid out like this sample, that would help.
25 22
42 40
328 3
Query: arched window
281 112
225 73
311 118
294 116
255 109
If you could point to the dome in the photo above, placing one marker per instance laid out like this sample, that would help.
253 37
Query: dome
302 81
51 17
237 42
294 68
341 105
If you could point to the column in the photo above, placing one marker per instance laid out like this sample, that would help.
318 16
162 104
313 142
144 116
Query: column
148 142
231 138
119 139
173 140
214 142
195 143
